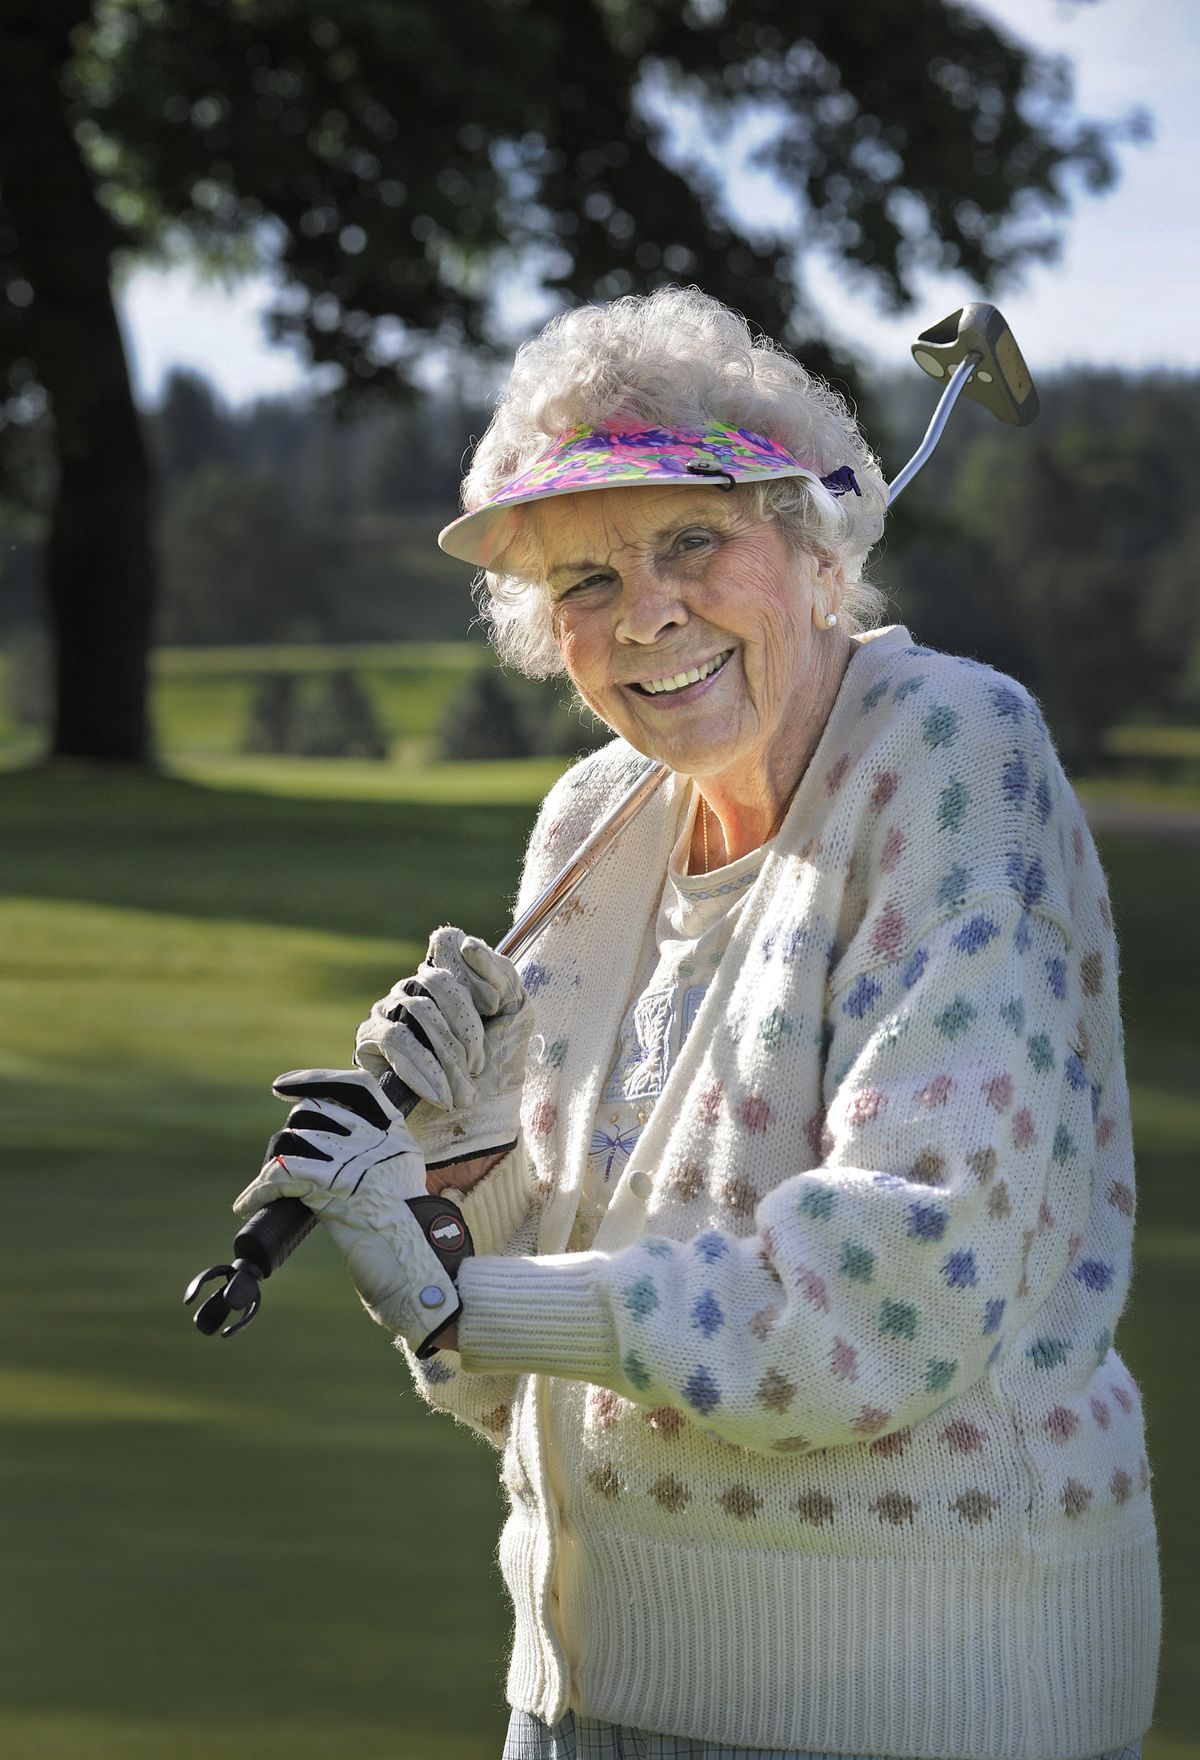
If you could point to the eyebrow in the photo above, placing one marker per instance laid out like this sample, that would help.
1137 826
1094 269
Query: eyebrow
670 530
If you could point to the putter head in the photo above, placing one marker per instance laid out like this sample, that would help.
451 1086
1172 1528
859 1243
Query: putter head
1001 382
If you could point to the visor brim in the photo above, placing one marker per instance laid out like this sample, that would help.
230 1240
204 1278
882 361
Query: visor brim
482 537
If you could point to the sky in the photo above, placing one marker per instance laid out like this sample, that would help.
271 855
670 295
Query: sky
1125 292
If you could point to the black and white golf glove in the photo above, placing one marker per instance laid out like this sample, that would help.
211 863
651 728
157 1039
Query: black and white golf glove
456 1034
347 1154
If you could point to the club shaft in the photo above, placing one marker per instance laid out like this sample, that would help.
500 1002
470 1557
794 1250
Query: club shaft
530 924
955 387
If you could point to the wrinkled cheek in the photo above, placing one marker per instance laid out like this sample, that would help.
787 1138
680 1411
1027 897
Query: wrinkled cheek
771 662
783 657
583 671
572 651
560 629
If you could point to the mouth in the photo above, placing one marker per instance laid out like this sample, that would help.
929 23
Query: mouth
673 683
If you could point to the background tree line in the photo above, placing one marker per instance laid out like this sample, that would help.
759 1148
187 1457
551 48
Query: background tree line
1066 554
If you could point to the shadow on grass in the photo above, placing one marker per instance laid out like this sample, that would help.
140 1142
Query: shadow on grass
218 1530
157 843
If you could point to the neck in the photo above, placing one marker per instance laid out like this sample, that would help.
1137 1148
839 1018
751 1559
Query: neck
748 803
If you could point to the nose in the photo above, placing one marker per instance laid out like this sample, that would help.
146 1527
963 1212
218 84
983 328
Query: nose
650 606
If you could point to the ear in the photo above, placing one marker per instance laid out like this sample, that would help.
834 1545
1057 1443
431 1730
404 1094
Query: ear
831 578
828 587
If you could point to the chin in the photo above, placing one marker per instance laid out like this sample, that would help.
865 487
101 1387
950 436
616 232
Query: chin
688 757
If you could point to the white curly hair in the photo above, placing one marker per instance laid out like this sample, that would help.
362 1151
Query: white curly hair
675 359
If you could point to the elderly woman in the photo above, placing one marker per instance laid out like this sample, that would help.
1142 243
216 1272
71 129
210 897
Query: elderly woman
797 1160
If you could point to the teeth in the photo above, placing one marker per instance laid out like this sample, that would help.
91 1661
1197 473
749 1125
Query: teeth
679 680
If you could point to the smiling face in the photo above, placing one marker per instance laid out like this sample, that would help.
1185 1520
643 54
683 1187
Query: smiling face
686 623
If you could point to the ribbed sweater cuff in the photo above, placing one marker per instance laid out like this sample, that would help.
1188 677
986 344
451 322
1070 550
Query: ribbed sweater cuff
544 1316
495 1209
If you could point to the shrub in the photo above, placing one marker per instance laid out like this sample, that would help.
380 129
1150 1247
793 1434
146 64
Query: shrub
484 720
497 716
330 717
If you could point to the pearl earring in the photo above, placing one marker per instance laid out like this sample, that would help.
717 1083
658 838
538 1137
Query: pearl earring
831 618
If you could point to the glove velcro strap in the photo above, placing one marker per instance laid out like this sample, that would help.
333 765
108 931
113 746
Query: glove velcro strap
442 1224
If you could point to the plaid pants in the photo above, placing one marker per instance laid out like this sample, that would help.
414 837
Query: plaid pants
586 1738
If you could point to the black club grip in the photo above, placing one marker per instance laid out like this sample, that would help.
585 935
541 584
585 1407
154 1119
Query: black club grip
274 1232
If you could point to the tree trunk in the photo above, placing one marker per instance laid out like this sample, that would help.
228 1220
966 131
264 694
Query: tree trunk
99 566
98 560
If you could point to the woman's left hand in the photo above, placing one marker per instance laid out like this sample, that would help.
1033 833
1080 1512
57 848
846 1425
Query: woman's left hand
346 1153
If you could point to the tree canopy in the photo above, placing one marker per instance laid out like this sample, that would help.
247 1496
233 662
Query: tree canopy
398 164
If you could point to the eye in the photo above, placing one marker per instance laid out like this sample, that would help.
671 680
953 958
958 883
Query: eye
695 538
589 584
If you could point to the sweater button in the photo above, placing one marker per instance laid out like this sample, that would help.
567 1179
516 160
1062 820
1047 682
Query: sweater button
640 1183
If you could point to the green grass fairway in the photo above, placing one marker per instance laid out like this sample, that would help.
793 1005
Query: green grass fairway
513 782
201 696
267 1549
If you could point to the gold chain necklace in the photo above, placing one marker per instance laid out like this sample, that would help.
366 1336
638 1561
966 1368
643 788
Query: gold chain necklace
704 829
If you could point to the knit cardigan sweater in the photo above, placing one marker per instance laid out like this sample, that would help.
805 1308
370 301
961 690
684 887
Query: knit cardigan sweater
824 1444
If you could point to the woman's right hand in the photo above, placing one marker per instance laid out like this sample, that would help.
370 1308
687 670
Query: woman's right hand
456 1033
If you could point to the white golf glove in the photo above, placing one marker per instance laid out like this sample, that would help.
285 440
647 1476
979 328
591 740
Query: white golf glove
346 1153
456 1034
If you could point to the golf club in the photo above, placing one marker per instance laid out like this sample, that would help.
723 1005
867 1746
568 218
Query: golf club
974 351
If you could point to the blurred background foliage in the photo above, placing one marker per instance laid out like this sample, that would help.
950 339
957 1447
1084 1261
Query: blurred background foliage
1066 555
403 168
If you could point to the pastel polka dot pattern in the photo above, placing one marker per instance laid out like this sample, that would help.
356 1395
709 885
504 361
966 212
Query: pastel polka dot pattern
952 806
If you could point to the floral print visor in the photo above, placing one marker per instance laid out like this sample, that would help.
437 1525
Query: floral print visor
620 458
